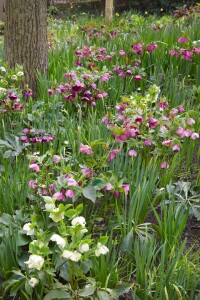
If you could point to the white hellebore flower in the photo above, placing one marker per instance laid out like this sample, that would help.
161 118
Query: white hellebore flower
79 221
20 74
74 256
14 77
101 249
28 229
56 215
2 69
49 206
35 261
84 248
33 282
60 241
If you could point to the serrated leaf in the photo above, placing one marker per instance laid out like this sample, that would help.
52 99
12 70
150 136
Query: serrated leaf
89 192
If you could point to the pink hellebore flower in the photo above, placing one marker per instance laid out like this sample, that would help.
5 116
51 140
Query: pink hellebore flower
50 92
105 120
194 135
186 54
151 47
121 52
126 188
196 50
116 194
108 187
138 77
24 139
138 119
173 53
167 143
113 154
44 192
58 196
105 77
86 149
132 153
56 159
33 184
180 109
34 167
70 194
77 87
183 39
164 165
163 104
70 97
152 123
147 143
51 188
72 182
137 48
190 121
87 172
176 147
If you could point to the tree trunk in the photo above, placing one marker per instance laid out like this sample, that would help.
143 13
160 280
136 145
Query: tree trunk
26 37
1 10
108 11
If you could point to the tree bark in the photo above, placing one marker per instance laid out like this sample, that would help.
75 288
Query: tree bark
108 11
26 37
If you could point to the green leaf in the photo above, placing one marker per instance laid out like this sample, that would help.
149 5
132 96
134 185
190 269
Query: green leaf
99 183
79 209
87 291
103 295
6 219
126 245
4 143
71 213
8 154
89 192
57 294
22 240
123 288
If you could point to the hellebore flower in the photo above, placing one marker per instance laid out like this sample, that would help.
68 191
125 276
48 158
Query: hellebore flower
58 196
35 261
34 167
176 147
101 250
84 248
73 256
78 221
173 53
132 153
85 149
28 228
167 143
183 39
190 121
113 154
164 165
60 241
33 282
70 194
152 123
